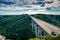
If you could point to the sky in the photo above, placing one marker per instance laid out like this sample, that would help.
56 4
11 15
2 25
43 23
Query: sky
17 7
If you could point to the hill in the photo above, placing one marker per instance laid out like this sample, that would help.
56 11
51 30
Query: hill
16 27
52 19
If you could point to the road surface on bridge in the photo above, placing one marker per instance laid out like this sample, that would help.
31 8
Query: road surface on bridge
49 28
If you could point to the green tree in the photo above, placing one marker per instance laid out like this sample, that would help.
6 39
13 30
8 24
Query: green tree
16 27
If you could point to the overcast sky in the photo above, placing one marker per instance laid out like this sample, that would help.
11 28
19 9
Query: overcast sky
16 1
21 7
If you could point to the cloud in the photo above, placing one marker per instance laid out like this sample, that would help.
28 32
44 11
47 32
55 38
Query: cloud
16 1
19 7
30 12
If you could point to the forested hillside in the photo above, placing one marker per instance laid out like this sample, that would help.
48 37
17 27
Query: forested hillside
52 19
16 27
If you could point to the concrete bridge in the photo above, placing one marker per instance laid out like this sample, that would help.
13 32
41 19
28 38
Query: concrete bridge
42 28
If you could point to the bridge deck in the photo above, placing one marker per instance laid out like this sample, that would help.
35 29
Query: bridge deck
46 26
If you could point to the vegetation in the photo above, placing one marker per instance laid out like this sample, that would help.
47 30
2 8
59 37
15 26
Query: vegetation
16 27
34 39
52 19
48 37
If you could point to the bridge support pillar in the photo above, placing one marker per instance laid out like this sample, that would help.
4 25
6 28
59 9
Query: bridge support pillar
37 29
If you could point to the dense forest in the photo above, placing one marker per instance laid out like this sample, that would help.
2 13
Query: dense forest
16 27
52 19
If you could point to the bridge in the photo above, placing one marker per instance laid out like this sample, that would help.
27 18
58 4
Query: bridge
42 28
